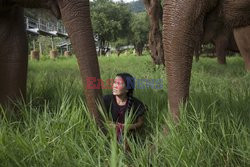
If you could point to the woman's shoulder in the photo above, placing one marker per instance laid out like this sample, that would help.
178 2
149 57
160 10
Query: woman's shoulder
139 103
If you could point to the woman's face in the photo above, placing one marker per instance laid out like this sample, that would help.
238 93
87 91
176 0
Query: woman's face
119 87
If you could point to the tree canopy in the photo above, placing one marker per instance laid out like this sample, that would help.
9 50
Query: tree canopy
110 21
139 31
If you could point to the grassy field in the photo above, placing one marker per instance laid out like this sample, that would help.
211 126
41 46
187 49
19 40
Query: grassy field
55 128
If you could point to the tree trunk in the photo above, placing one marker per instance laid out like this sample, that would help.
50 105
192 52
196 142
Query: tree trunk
197 53
118 52
138 50
197 57
76 18
154 10
40 49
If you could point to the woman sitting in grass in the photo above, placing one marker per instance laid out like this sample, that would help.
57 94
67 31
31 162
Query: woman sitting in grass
122 101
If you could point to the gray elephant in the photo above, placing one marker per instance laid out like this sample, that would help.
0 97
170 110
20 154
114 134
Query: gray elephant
223 42
183 32
223 37
75 15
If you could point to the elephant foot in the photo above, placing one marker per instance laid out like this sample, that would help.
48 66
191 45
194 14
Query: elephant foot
222 60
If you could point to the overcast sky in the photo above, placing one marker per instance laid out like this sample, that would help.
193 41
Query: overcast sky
124 0
120 0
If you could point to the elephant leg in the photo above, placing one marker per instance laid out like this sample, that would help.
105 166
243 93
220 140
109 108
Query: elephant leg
221 57
13 56
76 18
221 45
242 38
182 34
221 53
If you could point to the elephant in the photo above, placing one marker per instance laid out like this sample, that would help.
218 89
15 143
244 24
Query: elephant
223 38
223 42
183 31
75 15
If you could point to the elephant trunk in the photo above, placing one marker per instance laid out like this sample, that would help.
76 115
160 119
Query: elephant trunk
182 31
76 17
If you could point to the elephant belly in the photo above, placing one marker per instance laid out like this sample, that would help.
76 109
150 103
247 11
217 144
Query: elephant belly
237 12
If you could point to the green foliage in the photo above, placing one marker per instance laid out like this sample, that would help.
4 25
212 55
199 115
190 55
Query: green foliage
45 42
120 42
139 29
138 33
110 20
55 128
137 6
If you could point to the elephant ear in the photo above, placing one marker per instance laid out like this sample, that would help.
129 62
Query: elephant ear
52 5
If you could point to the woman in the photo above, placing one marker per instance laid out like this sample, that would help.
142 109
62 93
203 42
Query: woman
122 101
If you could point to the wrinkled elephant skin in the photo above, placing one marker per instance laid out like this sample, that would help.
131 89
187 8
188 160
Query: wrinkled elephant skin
222 36
183 32
75 15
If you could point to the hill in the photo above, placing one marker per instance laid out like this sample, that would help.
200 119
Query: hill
137 6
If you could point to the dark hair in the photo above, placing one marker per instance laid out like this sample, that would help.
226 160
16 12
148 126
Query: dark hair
129 81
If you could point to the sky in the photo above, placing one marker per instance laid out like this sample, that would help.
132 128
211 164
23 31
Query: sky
124 0
120 0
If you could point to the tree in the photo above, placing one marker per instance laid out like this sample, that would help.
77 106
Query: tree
139 31
119 43
110 21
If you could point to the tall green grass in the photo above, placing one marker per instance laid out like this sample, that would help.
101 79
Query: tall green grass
55 128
